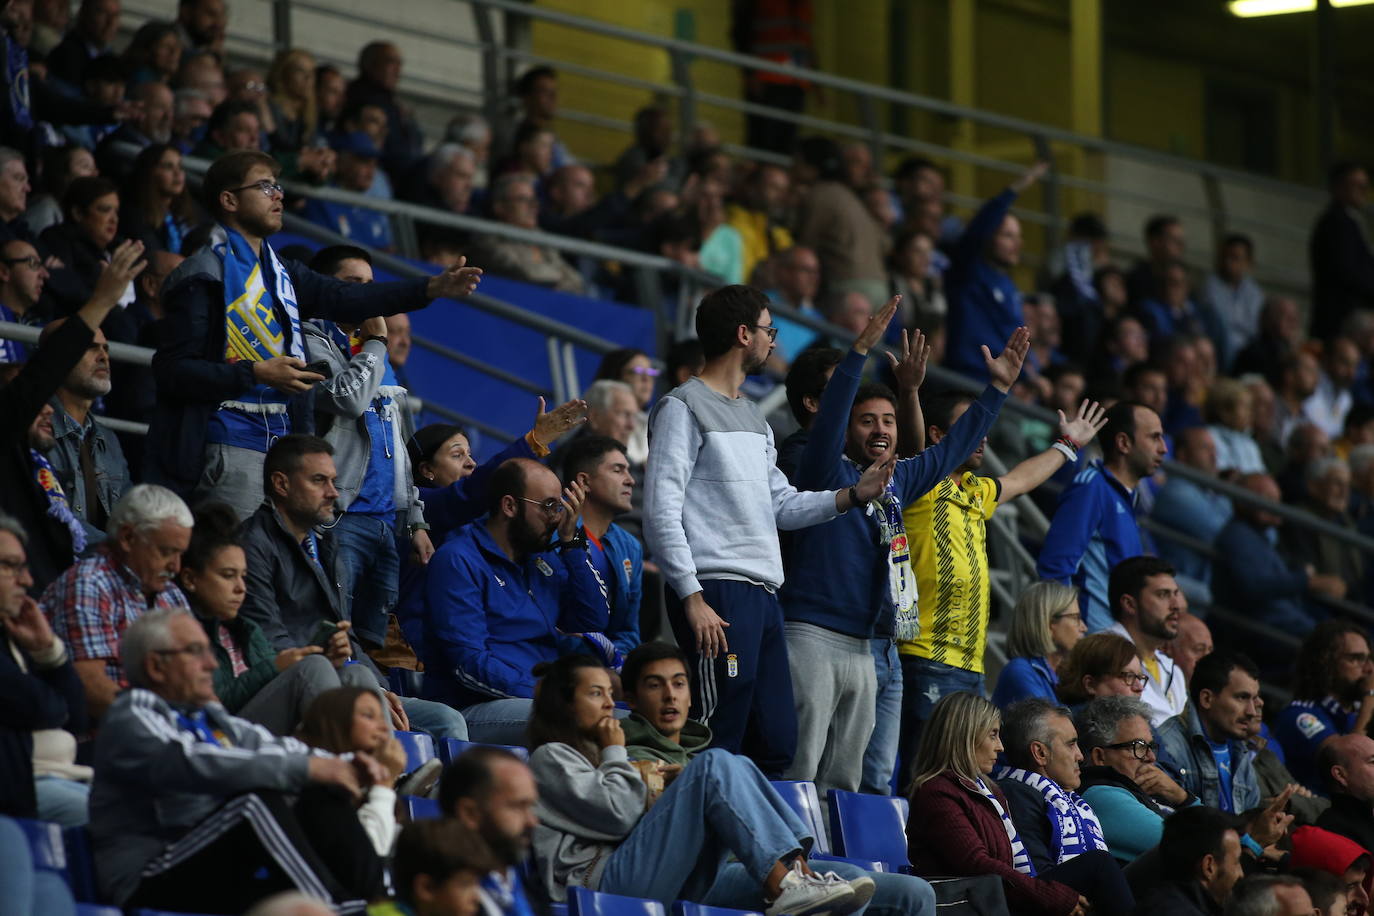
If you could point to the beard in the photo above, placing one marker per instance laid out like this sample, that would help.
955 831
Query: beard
754 364
529 539
92 387
1349 693
509 850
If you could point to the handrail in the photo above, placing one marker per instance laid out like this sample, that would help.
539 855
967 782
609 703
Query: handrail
27 334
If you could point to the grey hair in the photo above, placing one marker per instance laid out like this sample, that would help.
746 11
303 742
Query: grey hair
1028 633
1100 719
1318 469
11 524
146 507
601 393
443 155
9 154
502 187
1361 457
1254 895
147 634
1026 721
466 128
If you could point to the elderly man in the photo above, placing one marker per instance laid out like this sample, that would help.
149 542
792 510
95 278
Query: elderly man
1328 498
1192 509
1346 764
450 172
515 202
1194 640
94 602
189 798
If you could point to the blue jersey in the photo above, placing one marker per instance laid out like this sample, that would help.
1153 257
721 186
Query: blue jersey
1302 727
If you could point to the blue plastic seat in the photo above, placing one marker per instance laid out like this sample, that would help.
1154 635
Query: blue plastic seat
870 827
80 864
687 908
96 909
582 902
801 797
449 748
45 843
404 682
558 909
421 809
419 749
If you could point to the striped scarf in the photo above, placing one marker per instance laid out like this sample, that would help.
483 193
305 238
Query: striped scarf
1075 828
252 329
901 578
1020 859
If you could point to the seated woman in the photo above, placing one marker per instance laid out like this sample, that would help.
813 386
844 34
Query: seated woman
270 688
960 823
350 720
1100 665
83 241
634 368
717 835
1045 626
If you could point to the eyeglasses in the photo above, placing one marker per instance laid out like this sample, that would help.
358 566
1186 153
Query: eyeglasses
550 506
30 262
1132 679
770 330
13 567
269 189
1140 749
195 650
1075 616
1358 658
650 371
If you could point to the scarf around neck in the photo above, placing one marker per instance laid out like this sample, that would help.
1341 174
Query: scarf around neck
58 507
1020 859
253 331
886 510
1075 828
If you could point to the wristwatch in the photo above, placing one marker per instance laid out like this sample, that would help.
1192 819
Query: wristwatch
381 337
577 542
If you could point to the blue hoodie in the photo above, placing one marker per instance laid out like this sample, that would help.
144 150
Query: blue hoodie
625 556
984 303
839 569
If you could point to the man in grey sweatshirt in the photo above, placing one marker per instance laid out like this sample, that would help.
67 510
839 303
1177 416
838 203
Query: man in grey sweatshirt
714 500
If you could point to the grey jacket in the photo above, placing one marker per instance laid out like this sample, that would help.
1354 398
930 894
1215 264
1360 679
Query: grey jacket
584 812
154 781
111 470
344 398
1186 756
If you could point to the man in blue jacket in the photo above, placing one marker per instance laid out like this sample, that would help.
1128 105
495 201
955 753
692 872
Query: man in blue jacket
851 577
984 303
497 594
1094 528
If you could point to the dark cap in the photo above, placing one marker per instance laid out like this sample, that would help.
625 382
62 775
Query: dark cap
357 142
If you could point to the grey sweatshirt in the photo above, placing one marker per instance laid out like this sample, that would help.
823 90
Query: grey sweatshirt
714 498
584 812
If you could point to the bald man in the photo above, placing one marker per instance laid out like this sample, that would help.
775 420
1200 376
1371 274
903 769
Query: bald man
1193 641
1346 764
498 593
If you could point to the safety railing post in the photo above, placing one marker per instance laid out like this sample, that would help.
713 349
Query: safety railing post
1053 189
494 82
687 102
281 24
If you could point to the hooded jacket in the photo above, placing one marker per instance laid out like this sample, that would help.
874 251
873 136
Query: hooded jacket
645 742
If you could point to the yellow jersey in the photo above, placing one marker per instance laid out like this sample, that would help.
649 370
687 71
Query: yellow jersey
948 535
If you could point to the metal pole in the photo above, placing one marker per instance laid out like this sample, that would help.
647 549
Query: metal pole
1324 65
281 24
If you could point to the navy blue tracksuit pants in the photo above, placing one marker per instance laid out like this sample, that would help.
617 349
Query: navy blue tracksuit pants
743 695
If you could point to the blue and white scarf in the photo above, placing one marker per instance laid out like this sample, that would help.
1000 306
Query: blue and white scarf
58 507
1020 859
252 330
1075 829
901 578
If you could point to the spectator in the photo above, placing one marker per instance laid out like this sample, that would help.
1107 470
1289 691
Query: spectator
916 182
1329 404
1250 574
379 73
440 870
657 688
1199 862
1328 488
1146 604
1358 431
805 383
798 279
1260 895
1263 422
685 360
291 102
1331 855
647 160
715 539
479 643
398 344
532 154
537 89
369 118
204 435
1338 252
61 164
22 277
153 55
514 202
44 696
158 210
1194 640
572 207
579 762
1172 311
1094 527
202 24
760 215
450 173
1201 747
202 72
84 241
472 131
1345 764
1307 446
1045 626
329 97
178 778
1039 782
252 679
1280 335
1332 678
14 196
150 122
1192 509
636 369
1234 295
612 411
491 794
1101 665
97 24
1273 776
1080 305
233 127
1230 411
961 824
191 111
1164 245
912 275
357 167
1327 891
86 455
833 222
1120 778
1124 344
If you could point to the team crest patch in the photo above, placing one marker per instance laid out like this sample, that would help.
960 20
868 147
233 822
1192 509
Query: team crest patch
1309 725
732 666
629 570
543 567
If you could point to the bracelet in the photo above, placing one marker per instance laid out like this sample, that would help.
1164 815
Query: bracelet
381 337
1253 845
1066 447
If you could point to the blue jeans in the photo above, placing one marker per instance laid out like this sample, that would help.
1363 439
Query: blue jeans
62 801
880 758
924 682
28 891
370 571
439 720
499 721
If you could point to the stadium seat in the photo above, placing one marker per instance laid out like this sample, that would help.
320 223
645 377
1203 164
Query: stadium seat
421 809
870 827
80 864
558 909
45 842
404 682
419 749
802 798
450 748
687 908
96 909
582 902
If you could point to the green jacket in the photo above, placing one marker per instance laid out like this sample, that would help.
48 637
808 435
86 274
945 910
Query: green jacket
644 742
235 692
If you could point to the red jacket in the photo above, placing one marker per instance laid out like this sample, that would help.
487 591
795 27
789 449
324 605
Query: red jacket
954 831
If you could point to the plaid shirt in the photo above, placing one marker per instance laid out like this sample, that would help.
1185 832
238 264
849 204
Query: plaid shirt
92 604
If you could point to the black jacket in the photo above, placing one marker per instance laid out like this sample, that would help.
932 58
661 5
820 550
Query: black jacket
34 699
1351 818
1027 812
1179 899
1342 270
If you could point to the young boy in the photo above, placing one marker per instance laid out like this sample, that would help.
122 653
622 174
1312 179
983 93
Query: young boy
437 869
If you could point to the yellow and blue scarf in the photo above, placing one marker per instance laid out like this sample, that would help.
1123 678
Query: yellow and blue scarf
253 331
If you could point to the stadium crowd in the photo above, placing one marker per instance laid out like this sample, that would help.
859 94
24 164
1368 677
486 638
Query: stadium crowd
214 634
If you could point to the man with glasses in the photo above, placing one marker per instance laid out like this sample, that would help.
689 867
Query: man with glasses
1148 606
515 202
231 365
1332 689
22 276
1203 748
498 593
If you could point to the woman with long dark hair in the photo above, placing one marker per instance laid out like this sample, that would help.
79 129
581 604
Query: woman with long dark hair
157 208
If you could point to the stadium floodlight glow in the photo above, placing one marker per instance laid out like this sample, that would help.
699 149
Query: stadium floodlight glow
1251 8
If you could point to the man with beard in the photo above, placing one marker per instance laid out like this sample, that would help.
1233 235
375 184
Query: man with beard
497 595
86 456
491 792
1203 748
1332 686
1147 604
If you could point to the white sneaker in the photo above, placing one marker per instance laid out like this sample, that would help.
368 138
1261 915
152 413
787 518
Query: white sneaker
863 886
810 895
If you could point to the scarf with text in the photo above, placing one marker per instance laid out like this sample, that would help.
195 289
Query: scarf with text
58 507
886 510
1075 829
1020 859
252 329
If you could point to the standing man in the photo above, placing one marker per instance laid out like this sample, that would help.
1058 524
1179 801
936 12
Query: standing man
1339 252
714 501
231 361
1095 527
1148 606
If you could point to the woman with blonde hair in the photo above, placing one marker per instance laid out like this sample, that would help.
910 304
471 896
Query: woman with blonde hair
1230 412
960 823
1045 626
1101 665
291 99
